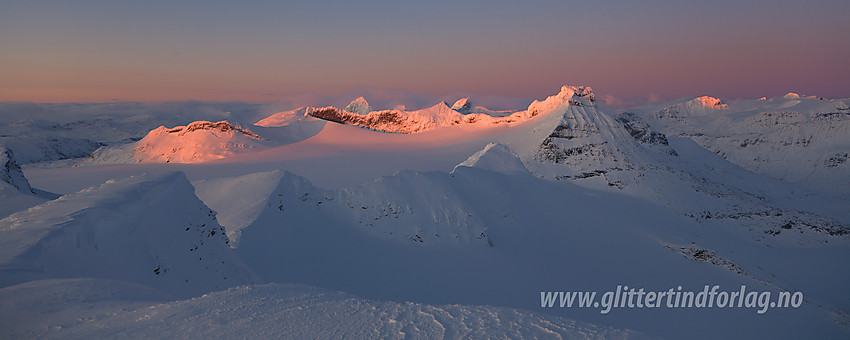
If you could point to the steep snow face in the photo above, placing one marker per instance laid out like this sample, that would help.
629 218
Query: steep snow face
238 201
359 106
801 140
495 157
148 230
100 308
10 172
420 207
197 142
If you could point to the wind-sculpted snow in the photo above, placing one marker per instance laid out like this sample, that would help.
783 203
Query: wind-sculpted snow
149 230
99 308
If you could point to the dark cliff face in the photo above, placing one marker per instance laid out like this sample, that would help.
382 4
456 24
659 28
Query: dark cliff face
640 130
10 172
384 117
375 120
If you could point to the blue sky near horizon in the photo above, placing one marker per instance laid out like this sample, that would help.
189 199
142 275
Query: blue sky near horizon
257 51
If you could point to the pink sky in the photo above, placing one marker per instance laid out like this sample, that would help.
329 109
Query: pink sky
100 51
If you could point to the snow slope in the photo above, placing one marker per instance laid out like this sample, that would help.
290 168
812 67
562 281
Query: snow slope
87 308
150 230
238 201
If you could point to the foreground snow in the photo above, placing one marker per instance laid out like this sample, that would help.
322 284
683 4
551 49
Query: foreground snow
96 308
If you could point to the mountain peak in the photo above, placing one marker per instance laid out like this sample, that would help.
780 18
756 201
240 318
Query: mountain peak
707 102
578 91
359 106
569 96
462 105
198 141
495 157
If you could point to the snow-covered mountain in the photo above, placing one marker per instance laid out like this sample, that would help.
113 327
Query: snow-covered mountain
359 106
625 153
44 132
495 157
797 139
198 141
151 230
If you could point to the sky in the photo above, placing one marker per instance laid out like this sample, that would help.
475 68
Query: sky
258 51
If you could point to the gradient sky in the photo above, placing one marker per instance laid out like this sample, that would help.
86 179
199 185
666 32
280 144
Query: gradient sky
72 51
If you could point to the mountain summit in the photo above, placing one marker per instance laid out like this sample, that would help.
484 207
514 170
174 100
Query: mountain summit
359 106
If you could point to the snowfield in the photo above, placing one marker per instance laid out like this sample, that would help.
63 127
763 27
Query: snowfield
441 222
